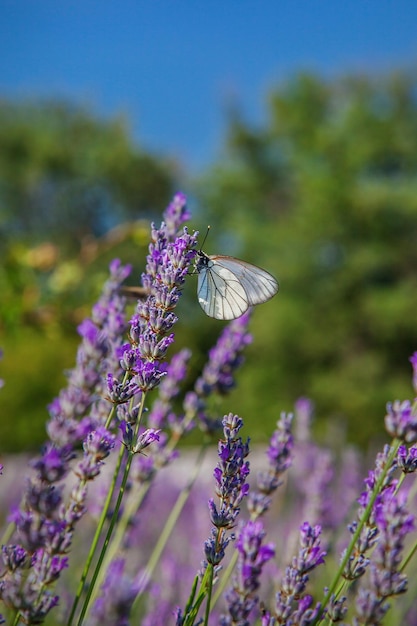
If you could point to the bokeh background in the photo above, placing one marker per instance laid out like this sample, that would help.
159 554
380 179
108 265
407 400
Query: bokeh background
291 127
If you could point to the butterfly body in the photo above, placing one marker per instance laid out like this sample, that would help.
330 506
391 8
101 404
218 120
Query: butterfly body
227 286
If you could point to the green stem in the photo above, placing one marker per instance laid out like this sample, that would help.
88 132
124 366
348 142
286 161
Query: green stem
408 558
8 533
210 571
394 448
113 409
114 516
225 578
97 535
102 519
133 504
170 523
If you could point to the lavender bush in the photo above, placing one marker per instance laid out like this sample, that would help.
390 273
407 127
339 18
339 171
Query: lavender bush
114 526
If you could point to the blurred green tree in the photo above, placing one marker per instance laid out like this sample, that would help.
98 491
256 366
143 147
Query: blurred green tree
66 175
68 180
324 195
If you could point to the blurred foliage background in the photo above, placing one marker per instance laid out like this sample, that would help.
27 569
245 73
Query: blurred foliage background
323 195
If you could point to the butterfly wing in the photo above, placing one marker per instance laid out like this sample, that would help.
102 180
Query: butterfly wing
259 285
220 294
227 287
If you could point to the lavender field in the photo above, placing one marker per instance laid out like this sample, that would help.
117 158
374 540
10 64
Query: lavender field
115 524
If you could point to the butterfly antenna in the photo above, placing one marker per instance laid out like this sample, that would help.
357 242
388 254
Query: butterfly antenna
205 237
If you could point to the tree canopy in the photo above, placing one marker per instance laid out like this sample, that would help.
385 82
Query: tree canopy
66 174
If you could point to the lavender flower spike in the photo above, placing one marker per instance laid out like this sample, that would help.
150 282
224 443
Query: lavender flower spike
231 487
119 591
81 405
401 421
280 459
242 598
150 333
224 358
291 601
218 374
407 459
393 523
176 214
176 371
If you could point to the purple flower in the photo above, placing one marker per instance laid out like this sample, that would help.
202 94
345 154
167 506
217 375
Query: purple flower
144 466
168 261
224 358
401 421
314 470
280 458
358 562
14 557
218 374
45 524
370 607
231 487
119 393
267 619
53 465
253 554
407 459
306 613
317 487
145 439
393 523
128 433
24 589
176 214
46 568
169 388
97 446
310 554
281 445
81 404
147 374
374 475
337 609
292 604
119 591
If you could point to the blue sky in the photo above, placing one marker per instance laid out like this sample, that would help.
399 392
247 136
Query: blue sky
174 65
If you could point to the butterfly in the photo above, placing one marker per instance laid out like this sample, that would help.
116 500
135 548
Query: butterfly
227 287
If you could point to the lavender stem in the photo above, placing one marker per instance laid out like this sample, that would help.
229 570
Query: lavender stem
394 449
170 523
113 521
96 538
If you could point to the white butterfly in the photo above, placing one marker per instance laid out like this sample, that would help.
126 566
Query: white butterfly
227 287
